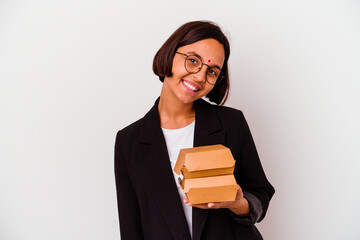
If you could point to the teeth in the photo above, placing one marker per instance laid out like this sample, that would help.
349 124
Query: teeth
190 86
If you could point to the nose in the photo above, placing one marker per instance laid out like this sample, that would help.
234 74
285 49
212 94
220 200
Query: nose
201 75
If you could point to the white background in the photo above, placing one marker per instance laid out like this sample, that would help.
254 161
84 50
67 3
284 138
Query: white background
74 72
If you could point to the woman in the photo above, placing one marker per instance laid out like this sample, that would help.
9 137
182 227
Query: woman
192 63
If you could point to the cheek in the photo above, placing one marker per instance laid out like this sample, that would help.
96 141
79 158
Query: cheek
208 88
179 69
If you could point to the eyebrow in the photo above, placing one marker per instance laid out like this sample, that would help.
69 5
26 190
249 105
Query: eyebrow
197 55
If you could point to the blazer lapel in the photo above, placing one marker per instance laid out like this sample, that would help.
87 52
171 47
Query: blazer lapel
208 131
154 155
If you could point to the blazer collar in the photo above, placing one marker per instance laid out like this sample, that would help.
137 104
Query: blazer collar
208 131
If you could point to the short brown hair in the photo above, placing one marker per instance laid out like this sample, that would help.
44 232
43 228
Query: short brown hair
189 33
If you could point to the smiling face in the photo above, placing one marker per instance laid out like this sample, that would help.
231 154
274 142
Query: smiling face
187 87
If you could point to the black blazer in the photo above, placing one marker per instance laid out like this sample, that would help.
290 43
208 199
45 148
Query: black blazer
148 200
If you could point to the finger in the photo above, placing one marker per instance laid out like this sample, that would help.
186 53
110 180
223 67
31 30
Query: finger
212 205
217 205
202 206
239 193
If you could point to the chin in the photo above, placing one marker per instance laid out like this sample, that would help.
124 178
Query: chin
189 100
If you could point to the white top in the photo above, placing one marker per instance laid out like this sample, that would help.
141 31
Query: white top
177 139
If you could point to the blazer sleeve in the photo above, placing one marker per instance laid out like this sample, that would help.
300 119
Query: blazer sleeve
128 208
250 174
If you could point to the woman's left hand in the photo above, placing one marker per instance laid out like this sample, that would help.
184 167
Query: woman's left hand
240 206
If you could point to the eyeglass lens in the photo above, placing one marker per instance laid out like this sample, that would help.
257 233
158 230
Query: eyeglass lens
194 64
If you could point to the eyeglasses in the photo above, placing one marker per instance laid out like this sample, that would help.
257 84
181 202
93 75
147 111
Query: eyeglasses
193 64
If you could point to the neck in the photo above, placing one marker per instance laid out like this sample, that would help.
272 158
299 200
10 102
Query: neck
174 113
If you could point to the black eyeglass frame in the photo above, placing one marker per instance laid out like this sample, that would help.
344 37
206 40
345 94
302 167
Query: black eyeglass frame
219 78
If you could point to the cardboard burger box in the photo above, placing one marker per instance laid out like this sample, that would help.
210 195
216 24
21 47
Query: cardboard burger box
207 174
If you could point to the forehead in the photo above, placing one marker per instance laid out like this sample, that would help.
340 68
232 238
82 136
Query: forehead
208 49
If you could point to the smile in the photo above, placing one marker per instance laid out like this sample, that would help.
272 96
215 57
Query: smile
190 86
